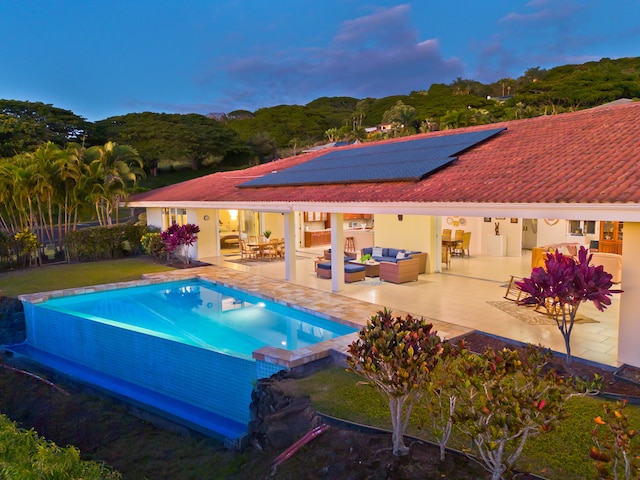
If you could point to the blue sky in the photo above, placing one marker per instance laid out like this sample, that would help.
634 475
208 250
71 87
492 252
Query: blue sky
102 58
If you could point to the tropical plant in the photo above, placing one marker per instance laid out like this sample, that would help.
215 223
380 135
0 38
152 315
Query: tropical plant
365 258
26 455
267 234
616 451
563 284
441 396
503 401
26 242
153 245
115 169
180 238
396 355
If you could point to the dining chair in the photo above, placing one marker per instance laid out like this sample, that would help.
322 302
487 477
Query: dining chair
458 235
446 234
247 252
463 248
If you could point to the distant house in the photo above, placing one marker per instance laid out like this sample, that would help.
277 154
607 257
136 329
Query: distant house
569 173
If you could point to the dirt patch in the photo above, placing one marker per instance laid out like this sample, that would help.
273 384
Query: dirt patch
105 430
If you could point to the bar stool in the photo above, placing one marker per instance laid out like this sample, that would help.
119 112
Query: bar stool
349 245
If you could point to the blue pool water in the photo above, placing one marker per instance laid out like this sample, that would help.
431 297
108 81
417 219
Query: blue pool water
204 315
182 348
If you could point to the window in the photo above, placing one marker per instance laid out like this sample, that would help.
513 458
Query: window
581 227
173 215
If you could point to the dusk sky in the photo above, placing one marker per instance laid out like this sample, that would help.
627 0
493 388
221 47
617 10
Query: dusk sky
104 58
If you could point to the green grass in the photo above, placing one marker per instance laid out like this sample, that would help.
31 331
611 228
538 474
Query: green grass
562 453
56 277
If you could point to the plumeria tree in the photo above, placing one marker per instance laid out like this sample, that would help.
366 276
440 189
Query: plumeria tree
396 355
563 284
178 238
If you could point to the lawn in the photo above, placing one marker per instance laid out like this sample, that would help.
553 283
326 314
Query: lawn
61 276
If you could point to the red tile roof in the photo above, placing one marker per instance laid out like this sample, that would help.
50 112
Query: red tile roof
586 157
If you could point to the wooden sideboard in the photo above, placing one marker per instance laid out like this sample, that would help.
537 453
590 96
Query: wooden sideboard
611 237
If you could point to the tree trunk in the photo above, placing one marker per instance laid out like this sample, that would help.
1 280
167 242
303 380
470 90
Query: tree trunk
396 405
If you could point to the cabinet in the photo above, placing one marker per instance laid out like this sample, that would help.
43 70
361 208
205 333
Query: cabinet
611 237
356 216
315 216
320 237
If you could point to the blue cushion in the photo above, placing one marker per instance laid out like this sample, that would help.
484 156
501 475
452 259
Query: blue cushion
393 252
352 268
348 267
367 250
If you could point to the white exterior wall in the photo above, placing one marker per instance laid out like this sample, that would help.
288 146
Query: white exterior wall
154 217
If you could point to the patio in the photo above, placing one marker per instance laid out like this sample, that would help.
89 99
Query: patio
455 301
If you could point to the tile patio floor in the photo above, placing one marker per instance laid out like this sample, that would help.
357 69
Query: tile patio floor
455 300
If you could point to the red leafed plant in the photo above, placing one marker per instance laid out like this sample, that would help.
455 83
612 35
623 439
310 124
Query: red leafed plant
180 237
563 284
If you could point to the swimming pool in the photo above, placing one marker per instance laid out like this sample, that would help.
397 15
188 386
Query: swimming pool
187 348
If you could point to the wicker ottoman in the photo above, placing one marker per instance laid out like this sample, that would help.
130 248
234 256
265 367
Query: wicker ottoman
352 273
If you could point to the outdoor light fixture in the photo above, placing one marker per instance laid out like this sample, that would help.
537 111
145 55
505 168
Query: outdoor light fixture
400 217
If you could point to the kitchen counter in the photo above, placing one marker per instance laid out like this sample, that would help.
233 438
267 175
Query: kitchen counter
361 238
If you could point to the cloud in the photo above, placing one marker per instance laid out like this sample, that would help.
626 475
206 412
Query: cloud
545 33
375 55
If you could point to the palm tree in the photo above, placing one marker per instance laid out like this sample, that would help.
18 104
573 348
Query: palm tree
114 168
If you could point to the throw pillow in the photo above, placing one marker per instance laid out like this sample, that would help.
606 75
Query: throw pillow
400 255
376 252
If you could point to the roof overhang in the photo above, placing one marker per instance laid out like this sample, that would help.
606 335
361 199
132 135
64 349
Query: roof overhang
574 211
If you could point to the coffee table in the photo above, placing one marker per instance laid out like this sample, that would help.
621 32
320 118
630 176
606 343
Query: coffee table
371 269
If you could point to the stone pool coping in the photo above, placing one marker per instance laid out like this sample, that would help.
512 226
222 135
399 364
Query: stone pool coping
331 306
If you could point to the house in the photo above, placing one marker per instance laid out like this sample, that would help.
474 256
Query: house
568 172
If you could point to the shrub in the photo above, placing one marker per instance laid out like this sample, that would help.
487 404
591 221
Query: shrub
25 455
396 355
104 243
504 400
153 245
178 238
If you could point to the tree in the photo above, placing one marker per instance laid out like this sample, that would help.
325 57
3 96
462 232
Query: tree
264 146
504 400
563 284
114 169
405 115
26 125
396 355
189 139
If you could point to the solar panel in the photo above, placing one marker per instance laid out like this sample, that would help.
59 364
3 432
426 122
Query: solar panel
408 160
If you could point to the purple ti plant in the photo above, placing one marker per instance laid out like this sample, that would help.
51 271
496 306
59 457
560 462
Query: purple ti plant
563 284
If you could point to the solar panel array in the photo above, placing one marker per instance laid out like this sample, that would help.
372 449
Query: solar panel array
408 160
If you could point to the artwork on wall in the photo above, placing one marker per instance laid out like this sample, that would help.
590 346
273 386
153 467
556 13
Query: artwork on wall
514 220
456 221
487 219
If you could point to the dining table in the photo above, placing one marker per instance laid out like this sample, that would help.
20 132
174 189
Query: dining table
263 249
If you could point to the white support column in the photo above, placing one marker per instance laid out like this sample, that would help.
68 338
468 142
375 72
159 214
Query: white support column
629 322
216 229
436 244
289 247
337 252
